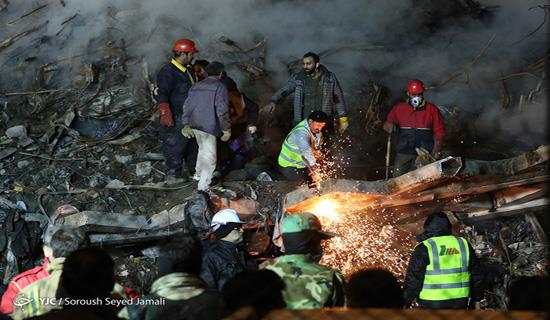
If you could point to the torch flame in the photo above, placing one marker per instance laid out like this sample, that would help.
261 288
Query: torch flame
327 211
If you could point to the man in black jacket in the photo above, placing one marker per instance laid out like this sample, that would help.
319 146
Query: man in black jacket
225 256
443 271
174 81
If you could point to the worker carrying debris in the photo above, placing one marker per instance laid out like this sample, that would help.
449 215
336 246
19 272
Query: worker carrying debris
309 285
418 124
174 81
315 88
299 157
443 271
206 117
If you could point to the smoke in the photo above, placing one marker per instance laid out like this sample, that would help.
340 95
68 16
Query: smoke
404 39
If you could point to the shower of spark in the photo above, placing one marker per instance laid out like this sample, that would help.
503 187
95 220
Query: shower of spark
366 238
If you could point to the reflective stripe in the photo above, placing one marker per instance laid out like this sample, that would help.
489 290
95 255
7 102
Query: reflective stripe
463 253
290 160
435 256
290 155
445 271
446 285
291 147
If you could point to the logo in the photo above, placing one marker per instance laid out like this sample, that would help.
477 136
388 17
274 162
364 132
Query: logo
444 251
21 301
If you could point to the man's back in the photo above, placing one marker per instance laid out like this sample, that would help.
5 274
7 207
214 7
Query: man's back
206 107
309 285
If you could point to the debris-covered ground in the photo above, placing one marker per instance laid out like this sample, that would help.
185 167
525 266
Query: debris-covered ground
80 126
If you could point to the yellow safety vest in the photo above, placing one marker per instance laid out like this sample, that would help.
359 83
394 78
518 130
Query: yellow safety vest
447 276
290 155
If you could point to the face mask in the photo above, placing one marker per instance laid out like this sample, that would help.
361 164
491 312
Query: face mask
416 101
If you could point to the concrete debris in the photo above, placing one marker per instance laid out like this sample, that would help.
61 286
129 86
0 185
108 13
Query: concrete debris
115 184
123 159
143 169
23 164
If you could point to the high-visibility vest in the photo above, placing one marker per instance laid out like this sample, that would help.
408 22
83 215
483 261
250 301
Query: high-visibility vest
290 155
447 276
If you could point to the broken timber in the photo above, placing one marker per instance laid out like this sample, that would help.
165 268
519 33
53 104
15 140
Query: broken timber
472 188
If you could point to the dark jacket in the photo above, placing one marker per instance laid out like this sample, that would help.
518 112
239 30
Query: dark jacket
333 97
206 107
181 296
173 87
414 278
221 262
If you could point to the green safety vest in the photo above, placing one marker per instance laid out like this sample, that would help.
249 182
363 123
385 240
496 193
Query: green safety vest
447 276
290 155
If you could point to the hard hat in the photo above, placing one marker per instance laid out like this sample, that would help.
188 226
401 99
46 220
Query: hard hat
184 45
224 217
415 87
304 222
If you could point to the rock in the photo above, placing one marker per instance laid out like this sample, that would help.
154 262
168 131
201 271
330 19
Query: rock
2 172
17 132
264 176
143 169
104 159
123 159
115 184
23 163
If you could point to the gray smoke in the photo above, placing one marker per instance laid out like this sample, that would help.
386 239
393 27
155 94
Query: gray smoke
399 36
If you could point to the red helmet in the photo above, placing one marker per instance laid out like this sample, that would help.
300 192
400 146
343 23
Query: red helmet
184 45
415 87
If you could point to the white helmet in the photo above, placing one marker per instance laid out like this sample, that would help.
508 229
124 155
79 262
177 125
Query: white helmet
224 217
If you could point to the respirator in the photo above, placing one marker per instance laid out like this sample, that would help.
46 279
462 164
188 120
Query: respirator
416 101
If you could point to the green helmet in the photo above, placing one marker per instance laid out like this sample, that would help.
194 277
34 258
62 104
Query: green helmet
303 222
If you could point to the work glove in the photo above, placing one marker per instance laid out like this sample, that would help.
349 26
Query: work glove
252 129
343 124
187 132
166 118
226 134
269 107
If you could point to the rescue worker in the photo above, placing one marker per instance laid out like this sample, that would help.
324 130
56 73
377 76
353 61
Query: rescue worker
442 271
206 117
315 88
309 285
225 256
174 81
243 114
418 124
64 240
299 157
198 69
179 286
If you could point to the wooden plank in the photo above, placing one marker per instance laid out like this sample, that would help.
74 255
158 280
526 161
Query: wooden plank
523 208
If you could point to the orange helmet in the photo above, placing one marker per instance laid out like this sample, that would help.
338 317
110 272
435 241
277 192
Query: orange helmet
415 87
184 45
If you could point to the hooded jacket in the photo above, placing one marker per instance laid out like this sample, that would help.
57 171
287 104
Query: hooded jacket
19 282
435 226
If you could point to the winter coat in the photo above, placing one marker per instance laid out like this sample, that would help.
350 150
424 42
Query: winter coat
221 262
207 107
182 296
414 278
417 128
333 102
173 86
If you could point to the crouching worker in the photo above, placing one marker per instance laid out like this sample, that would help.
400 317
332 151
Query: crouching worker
300 156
